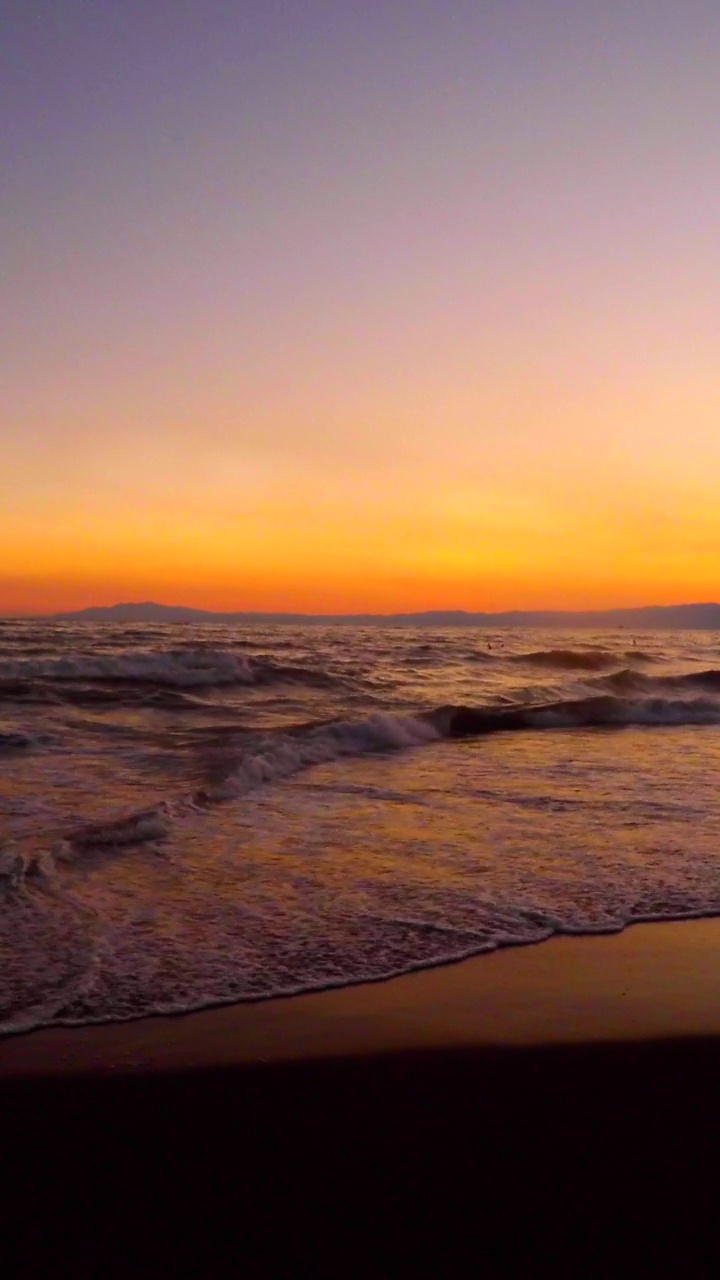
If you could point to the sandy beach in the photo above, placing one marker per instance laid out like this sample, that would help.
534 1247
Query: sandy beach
651 982
561 1096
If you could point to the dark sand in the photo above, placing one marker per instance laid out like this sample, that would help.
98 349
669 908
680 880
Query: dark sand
552 1106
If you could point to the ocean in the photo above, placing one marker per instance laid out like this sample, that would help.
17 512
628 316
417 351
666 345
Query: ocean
193 815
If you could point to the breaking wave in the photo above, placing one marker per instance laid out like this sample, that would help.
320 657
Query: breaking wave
281 755
251 760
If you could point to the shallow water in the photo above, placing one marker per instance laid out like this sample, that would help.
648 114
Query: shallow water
199 814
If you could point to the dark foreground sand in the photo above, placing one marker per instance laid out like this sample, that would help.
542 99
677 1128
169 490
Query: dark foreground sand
555 1107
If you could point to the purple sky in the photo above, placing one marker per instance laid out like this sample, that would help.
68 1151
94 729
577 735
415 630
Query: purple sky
402 258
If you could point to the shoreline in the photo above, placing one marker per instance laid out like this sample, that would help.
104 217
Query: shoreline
651 982
546 1106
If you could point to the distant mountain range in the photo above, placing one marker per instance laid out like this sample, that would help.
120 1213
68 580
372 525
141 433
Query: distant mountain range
673 616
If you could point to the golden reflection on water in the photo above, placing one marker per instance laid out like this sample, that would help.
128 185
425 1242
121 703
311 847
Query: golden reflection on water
388 862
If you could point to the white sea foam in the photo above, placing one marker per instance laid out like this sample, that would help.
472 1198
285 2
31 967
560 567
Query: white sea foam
282 756
428 857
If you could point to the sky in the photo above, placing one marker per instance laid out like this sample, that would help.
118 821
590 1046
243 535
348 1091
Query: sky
325 306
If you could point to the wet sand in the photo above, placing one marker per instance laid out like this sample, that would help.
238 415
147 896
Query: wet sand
553 1106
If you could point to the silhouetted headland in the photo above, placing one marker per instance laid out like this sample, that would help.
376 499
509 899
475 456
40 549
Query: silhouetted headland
674 616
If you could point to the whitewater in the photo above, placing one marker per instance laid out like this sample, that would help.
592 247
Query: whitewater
198 814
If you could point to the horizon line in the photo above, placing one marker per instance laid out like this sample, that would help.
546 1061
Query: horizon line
69 614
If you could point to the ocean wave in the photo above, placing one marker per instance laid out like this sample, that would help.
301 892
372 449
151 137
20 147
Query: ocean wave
113 835
596 659
246 760
182 669
145 825
268 908
247 887
194 668
22 690
575 713
703 679
283 754
628 681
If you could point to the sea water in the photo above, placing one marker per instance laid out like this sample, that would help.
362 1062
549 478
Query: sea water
201 814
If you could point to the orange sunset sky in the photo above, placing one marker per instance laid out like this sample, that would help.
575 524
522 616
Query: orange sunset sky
333 307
